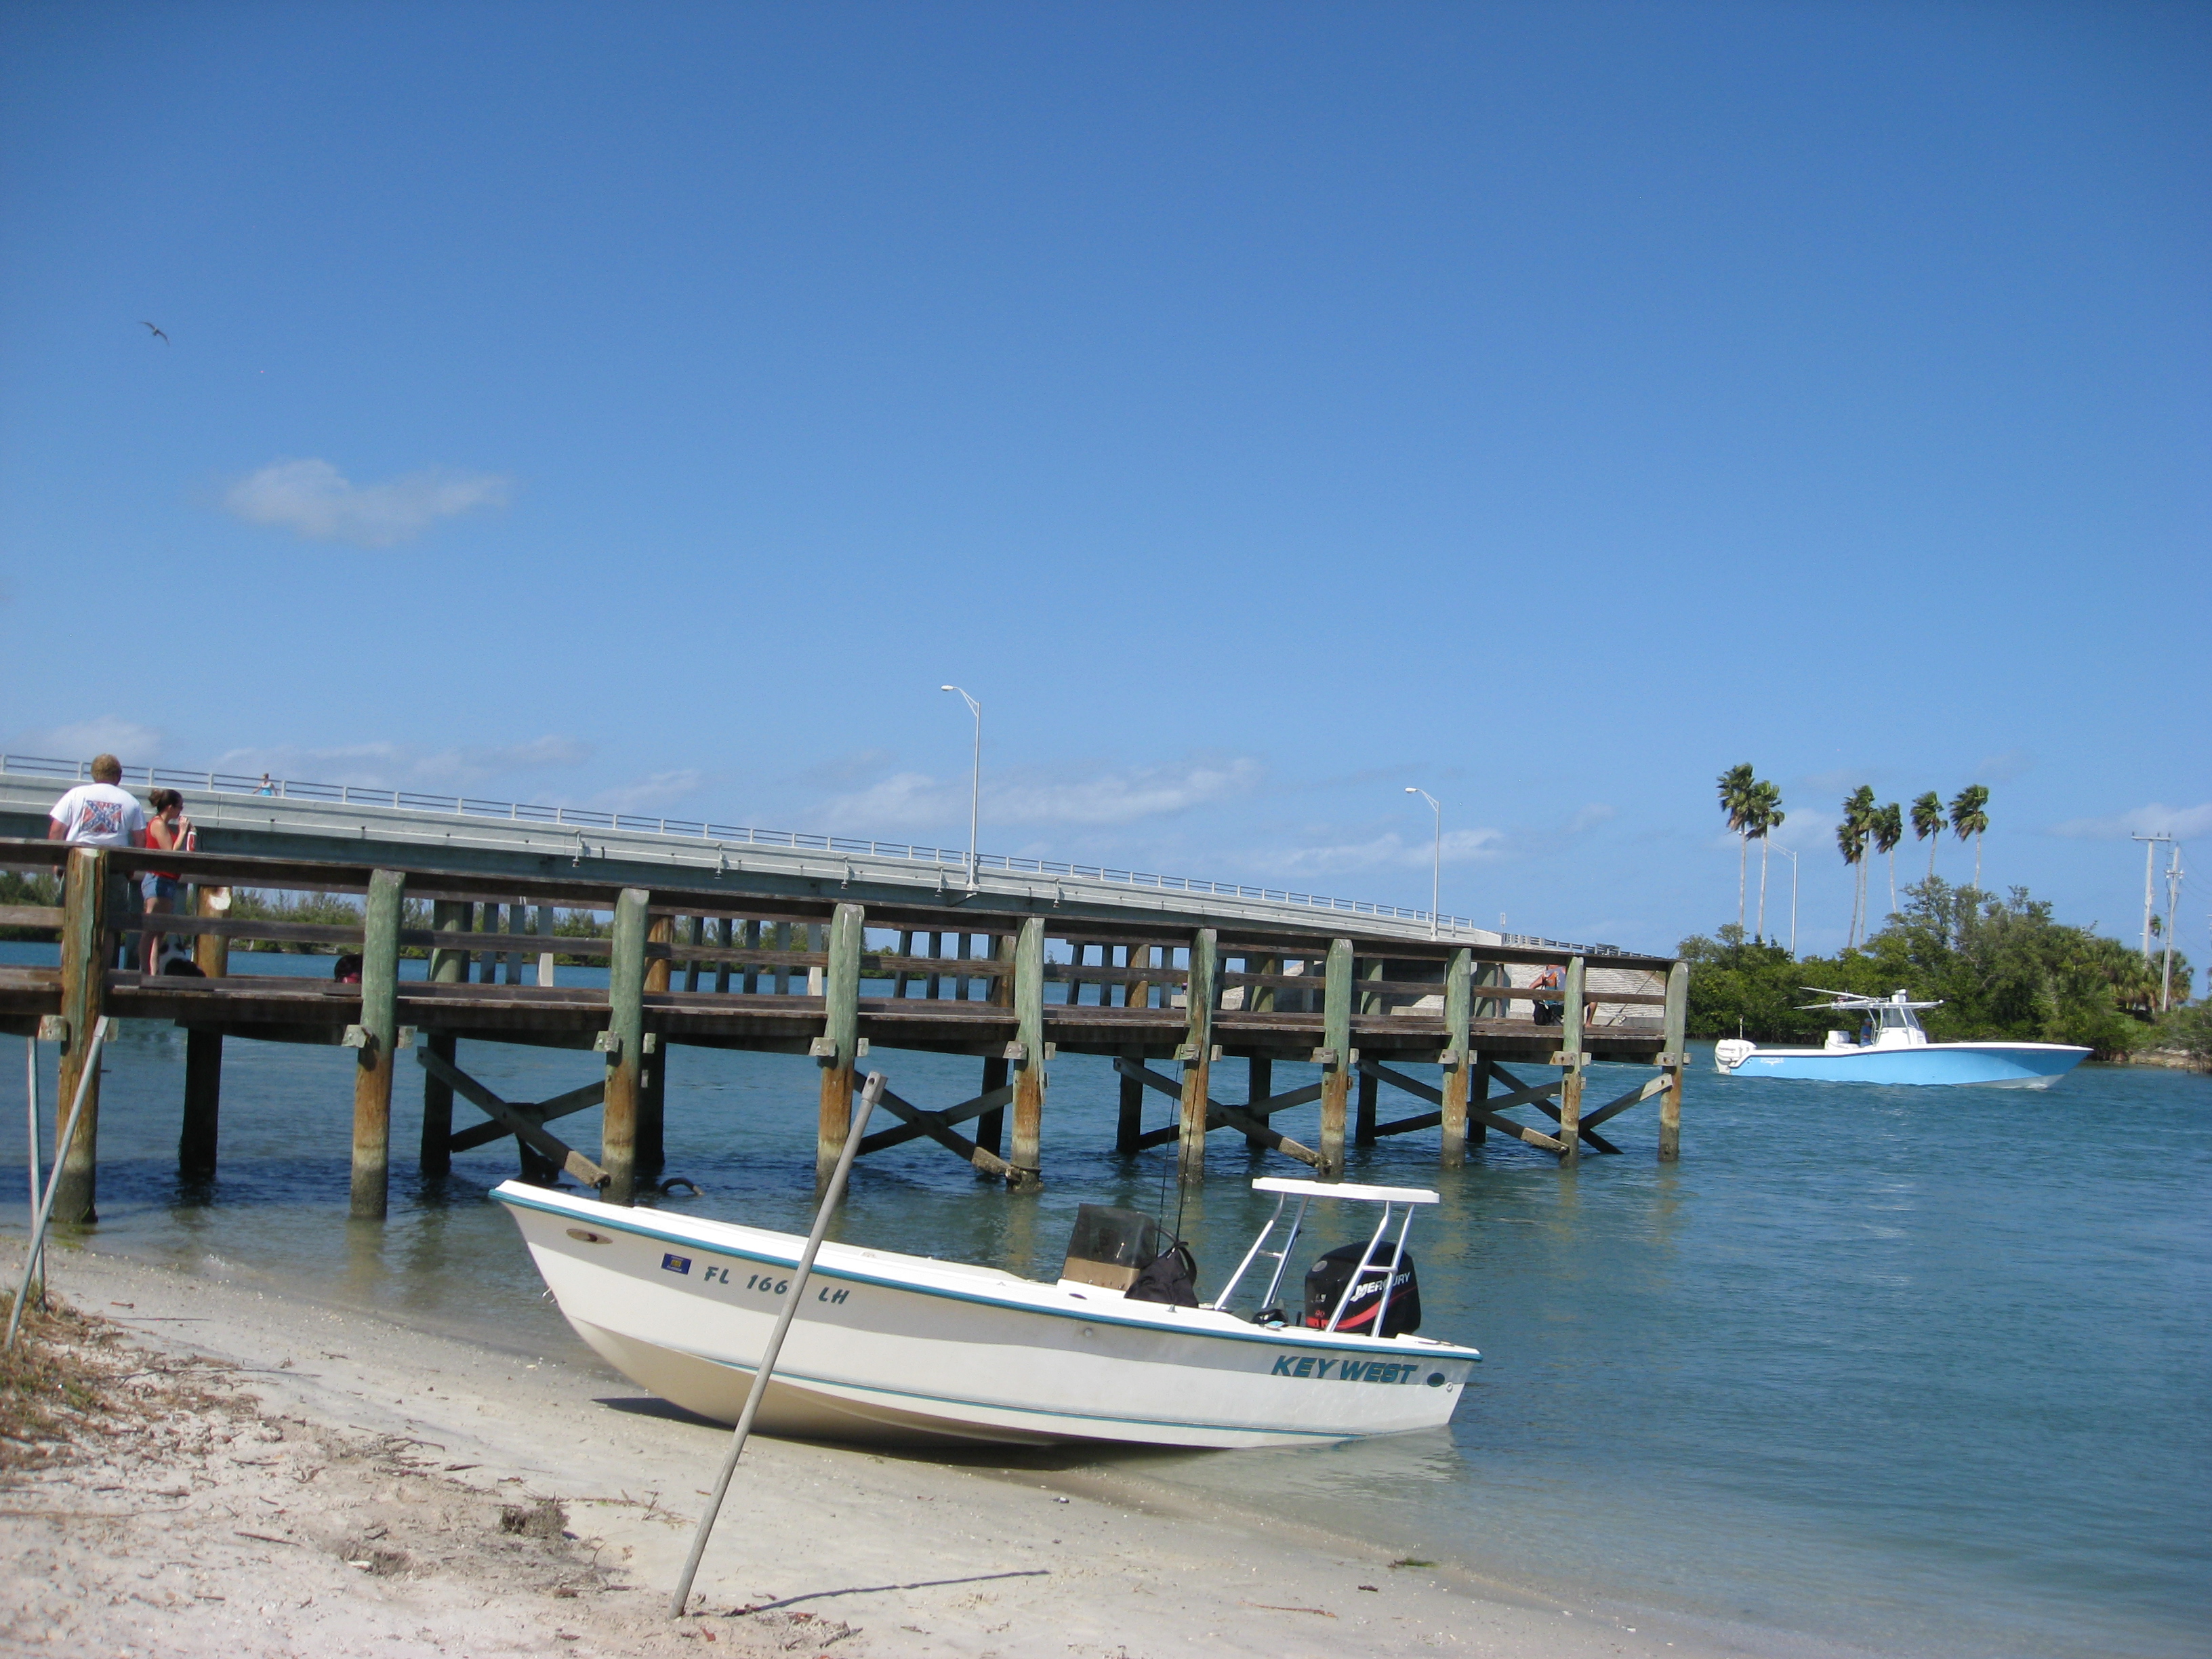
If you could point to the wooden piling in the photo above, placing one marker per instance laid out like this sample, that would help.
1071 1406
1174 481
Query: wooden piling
1200 989
1129 1124
723 930
85 952
211 951
751 978
1337 1062
1571 1055
1139 994
1026 1162
1261 1084
446 968
661 930
196 1139
837 1051
380 1039
545 954
1459 1071
1677 1027
991 1125
1363 1125
625 1045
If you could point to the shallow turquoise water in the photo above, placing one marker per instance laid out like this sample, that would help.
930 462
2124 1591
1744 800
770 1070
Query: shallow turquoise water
1927 1370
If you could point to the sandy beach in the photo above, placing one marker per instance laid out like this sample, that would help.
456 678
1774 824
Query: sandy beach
283 1477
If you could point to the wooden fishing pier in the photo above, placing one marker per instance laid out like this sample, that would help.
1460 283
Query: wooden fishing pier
840 956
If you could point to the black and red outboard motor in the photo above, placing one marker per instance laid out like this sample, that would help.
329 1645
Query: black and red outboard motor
1326 1282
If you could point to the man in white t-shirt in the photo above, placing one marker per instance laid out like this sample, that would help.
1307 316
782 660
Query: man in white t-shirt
101 813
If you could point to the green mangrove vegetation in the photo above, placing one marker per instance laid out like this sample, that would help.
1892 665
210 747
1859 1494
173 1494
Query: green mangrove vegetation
2001 967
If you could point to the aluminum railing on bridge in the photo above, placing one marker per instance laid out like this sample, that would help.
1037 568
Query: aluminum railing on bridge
350 794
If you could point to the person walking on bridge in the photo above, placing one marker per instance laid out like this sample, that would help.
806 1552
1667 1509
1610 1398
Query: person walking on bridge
101 813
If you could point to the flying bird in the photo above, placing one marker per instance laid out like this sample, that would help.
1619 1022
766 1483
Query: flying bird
158 335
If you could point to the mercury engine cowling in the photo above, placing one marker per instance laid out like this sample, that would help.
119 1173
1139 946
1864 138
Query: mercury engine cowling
1325 1285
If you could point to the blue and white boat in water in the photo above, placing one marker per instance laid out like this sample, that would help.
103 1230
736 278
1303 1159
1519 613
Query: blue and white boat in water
1892 1047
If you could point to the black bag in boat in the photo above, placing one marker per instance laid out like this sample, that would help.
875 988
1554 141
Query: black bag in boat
1170 1277
1325 1285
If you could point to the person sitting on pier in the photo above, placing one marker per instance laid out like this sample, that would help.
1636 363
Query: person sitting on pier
346 970
168 830
101 813
1548 1012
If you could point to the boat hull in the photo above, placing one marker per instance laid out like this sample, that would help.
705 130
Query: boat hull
903 1350
2014 1064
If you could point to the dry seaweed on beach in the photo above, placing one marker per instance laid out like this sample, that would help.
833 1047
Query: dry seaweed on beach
64 1378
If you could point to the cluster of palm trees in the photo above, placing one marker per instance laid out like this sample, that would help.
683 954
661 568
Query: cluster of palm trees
1754 810
1753 807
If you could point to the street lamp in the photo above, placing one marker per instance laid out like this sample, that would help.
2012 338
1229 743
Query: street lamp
975 788
1436 871
1792 857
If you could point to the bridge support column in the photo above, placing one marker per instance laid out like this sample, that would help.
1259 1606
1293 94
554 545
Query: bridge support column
1571 1055
1027 1161
85 955
625 1047
1458 1062
1197 1054
837 1049
1678 1025
1336 1068
380 1038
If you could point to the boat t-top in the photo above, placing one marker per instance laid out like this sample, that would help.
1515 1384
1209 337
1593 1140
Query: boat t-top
910 1349
1891 1046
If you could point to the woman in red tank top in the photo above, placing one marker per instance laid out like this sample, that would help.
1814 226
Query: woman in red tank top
167 831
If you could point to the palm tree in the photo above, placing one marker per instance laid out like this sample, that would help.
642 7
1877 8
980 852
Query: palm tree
1852 839
1888 827
1967 818
1767 816
1736 785
1928 825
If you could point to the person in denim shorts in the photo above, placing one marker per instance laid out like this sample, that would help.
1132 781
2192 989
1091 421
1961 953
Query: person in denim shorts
167 830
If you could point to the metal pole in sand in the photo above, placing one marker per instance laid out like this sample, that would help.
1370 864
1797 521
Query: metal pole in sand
830 1195
53 1182
31 1098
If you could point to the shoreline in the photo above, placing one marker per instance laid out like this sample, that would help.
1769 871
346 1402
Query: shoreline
1014 1558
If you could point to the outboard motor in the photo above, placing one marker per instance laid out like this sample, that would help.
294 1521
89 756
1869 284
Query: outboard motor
1325 1285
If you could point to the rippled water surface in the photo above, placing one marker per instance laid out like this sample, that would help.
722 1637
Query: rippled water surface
1929 1371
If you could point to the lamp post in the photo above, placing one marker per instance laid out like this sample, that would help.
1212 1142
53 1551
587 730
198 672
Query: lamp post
1792 857
1437 870
975 786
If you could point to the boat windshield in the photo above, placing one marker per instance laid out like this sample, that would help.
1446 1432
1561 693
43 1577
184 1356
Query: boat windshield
1382 1253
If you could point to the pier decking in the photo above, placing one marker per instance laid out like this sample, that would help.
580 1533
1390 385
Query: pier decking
840 956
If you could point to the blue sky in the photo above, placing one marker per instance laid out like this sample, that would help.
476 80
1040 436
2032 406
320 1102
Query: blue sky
1260 408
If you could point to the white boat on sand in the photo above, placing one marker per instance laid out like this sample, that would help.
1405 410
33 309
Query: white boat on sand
909 1349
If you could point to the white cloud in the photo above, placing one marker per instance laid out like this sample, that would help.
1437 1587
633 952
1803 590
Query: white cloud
315 500
400 766
2182 823
1389 850
1590 816
917 799
650 795
132 743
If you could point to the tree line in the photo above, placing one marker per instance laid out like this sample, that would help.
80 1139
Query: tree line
2002 968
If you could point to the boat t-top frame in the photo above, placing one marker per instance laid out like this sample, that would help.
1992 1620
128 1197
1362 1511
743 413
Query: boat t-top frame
1305 1192
1850 1002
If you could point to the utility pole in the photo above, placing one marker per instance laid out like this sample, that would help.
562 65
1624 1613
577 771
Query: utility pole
1792 857
2150 848
2173 887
